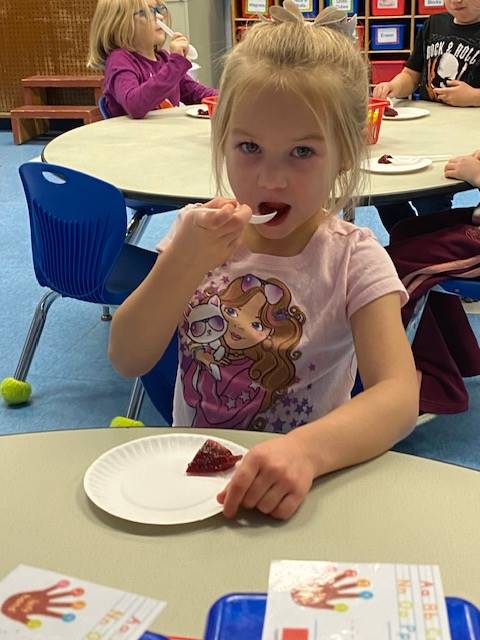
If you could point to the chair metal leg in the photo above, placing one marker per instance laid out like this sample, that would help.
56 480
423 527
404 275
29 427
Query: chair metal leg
136 400
414 321
136 226
106 315
33 335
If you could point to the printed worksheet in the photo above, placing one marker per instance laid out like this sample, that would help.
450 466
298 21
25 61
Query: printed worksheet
310 600
44 605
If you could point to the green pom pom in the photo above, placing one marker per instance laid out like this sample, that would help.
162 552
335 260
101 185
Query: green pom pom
15 391
120 421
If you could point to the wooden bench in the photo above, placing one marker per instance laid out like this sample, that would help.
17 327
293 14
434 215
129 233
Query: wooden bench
31 119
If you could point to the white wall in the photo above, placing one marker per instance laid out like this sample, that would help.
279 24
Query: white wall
207 24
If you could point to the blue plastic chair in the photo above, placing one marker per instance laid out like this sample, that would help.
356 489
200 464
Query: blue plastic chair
102 105
159 383
78 226
141 210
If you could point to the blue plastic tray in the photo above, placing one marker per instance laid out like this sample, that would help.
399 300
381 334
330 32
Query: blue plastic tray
238 616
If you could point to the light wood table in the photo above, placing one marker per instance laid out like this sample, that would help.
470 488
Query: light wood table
166 156
397 508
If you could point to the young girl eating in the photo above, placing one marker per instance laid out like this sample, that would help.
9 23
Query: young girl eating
126 40
273 318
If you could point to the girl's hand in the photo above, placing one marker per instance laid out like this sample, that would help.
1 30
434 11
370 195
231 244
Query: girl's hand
179 44
206 239
464 168
458 94
274 477
383 90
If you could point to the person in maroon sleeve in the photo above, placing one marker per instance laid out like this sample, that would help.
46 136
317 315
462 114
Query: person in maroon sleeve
126 42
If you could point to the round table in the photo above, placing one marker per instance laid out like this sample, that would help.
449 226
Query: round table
396 508
166 156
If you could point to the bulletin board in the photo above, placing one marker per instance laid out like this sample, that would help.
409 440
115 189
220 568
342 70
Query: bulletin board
43 37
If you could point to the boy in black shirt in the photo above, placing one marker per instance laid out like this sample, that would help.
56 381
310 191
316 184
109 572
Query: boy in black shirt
445 65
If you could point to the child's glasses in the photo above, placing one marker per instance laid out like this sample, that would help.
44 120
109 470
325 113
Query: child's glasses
198 327
159 10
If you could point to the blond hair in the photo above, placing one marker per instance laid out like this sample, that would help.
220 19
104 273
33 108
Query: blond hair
325 70
113 27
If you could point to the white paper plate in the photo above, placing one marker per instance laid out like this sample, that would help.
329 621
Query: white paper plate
374 166
408 113
145 480
193 111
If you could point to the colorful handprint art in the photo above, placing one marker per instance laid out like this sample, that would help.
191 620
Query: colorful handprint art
22 606
322 594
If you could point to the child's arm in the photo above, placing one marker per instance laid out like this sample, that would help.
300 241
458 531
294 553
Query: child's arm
401 86
138 98
276 475
465 168
143 325
458 94
192 92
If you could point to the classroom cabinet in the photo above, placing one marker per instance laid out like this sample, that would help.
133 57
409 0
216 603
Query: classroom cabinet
386 28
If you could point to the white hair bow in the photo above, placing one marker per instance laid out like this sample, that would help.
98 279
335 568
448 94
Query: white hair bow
328 17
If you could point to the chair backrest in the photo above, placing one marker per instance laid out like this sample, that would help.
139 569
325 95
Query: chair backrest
78 225
460 287
159 383
102 105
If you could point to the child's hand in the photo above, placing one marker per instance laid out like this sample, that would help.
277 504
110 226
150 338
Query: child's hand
207 238
464 168
274 477
383 90
458 94
179 44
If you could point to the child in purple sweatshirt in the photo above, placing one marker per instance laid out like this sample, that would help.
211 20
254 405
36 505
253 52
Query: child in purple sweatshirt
126 41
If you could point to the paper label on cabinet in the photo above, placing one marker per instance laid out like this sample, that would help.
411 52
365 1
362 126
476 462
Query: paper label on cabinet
310 600
387 35
257 6
305 6
344 5
434 3
387 4
37 604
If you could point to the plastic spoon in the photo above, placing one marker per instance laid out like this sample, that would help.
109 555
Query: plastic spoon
192 53
415 159
255 219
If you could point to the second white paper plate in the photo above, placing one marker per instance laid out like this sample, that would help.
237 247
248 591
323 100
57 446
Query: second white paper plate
408 113
374 166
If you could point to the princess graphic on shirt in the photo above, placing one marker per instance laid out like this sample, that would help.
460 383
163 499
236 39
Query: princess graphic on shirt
246 364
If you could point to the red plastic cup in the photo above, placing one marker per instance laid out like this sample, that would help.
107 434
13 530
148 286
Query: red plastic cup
211 102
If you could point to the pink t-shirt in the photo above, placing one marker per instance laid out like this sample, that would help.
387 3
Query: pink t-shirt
266 342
